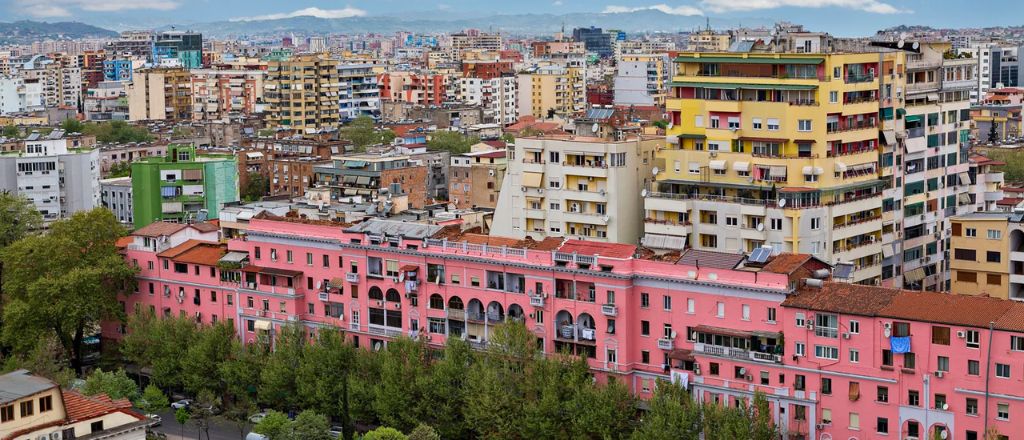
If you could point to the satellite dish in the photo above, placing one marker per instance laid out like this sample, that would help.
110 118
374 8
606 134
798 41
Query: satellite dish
916 45
760 227
643 192
595 127
888 332
673 334
606 218
376 346
670 125
693 336
782 203
655 171
900 44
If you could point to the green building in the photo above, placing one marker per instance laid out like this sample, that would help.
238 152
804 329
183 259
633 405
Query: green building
182 186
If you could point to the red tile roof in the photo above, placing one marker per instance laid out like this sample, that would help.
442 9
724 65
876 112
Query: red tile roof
205 227
936 307
80 407
196 252
712 259
496 144
983 160
610 250
123 242
158 229
786 263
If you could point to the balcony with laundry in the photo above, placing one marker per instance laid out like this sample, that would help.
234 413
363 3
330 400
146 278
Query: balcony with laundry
756 345
270 280
577 336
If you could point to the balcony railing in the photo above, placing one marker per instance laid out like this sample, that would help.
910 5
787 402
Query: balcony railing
609 310
736 353
352 278
859 77
537 300
666 343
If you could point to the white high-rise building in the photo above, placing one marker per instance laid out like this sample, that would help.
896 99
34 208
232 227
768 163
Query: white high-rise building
58 180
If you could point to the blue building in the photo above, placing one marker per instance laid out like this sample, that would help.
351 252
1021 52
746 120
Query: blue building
117 70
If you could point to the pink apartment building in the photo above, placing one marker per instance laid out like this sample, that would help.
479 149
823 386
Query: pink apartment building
836 361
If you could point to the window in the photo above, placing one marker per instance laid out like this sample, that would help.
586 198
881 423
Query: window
1017 343
803 125
882 394
833 97
45 404
666 303
855 327
826 385
745 312
1003 371
971 406
713 366
801 320
645 357
698 120
970 232
995 234
309 259
27 408
854 355
854 421
6 413
942 363
775 224
800 383
771 314
940 335
826 416
715 122
882 425
913 398
973 338
993 256
734 123
720 309
901 329
826 352
773 124
815 223
800 349
994 279
973 368
691 305
1003 411
645 328
756 123
645 300
732 221
886 357
909 360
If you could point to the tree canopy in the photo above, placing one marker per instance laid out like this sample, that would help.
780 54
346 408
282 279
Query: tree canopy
115 131
256 186
451 141
362 132
115 384
18 217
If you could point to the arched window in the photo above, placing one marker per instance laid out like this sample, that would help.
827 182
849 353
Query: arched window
436 302
394 296
376 293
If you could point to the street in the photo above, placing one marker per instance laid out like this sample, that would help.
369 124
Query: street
219 429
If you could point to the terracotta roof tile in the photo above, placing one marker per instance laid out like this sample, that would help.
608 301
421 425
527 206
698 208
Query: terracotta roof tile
196 252
205 227
123 242
786 263
845 298
968 310
158 229
712 259
80 407
610 250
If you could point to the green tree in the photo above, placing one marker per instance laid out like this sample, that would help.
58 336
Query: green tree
385 433
204 357
202 411
400 388
993 135
65 283
45 359
451 141
446 390
424 432
71 125
672 415
309 425
117 132
11 131
241 371
1014 169
256 186
120 169
153 400
182 416
323 376
362 132
159 344
387 136
496 384
115 384
278 388
603 412
275 426
18 217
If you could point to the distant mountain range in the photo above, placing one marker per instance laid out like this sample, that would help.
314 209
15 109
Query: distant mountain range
637 21
25 31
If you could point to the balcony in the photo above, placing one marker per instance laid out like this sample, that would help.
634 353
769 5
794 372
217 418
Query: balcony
609 310
852 78
324 296
456 314
352 278
666 343
736 353
537 300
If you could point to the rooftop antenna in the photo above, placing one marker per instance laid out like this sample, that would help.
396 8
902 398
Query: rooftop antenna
708 21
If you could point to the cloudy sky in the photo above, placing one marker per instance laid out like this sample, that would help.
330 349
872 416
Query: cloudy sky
838 16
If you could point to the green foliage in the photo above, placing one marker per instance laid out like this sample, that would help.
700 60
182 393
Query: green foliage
275 426
146 345
278 385
309 425
993 135
451 141
402 382
72 125
1014 169
256 186
64 283
330 356
182 132
424 432
362 132
662 124
204 357
117 132
115 384
11 131
46 359
385 433
181 416
672 415
18 217
446 390
153 400
120 169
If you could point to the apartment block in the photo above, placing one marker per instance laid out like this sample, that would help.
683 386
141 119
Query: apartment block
552 90
833 359
999 65
301 93
163 93
776 150
928 179
428 89
575 186
108 101
376 177
641 79
476 178
181 186
116 195
359 93
226 94
497 96
17 95
58 179
178 49
288 173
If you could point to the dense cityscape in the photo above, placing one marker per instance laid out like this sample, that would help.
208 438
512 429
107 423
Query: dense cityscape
649 223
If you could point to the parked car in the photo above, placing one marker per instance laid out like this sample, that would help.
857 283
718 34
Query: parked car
255 436
155 419
336 431
258 417
183 403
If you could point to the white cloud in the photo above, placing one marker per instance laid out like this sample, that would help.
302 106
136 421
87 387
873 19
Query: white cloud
671 10
873 6
557 3
345 12
62 8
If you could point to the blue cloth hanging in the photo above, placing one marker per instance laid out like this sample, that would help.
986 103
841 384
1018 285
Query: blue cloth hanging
899 344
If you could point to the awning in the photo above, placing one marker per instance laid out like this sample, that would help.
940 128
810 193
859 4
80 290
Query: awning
815 171
914 118
692 136
916 147
733 332
716 164
965 179
889 136
763 139
351 180
741 166
253 155
410 268
840 167
272 271
658 241
532 180
933 96
355 163
681 354
336 283
234 257
914 275
192 175
262 324
362 180
854 391
964 198
777 170
745 86
887 250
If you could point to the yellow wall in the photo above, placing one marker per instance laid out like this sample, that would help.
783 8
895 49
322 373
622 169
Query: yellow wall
981 244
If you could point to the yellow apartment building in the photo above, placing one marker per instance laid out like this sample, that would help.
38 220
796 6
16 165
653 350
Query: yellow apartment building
983 247
301 92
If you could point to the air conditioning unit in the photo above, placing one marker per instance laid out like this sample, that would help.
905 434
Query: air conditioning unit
398 305
846 335
380 303
939 374
961 334
750 378
810 326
